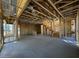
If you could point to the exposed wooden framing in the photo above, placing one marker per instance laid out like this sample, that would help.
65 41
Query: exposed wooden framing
24 6
42 29
44 8
77 6
32 14
70 11
1 26
60 28
19 3
25 18
64 27
75 30
66 1
51 28
70 14
1 10
43 14
33 18
27 15
52 4
29 20
40 13
47 5
9 7
57 2
54 25
16 29
77 27
68 4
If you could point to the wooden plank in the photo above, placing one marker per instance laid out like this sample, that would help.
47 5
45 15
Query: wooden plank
23 5
71 8
68 4
57 2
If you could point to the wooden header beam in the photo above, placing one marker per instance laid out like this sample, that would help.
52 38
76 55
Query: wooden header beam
23 5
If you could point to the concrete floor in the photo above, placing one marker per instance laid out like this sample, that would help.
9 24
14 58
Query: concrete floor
9 39
39 47
70 40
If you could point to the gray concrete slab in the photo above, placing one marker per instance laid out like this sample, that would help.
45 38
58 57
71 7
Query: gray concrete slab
39 47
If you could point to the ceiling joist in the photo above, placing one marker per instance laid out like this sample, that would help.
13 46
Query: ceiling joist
57 2
71 8
68 4
44 8
52 4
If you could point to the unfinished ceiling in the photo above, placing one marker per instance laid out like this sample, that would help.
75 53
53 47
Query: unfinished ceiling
37 10
51 9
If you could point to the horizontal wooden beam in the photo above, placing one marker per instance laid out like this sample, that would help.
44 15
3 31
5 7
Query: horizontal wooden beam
23 5
71 8
57 2
68 4
26 20
27 15
71 11
70 14
66 1
33 14
34 18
